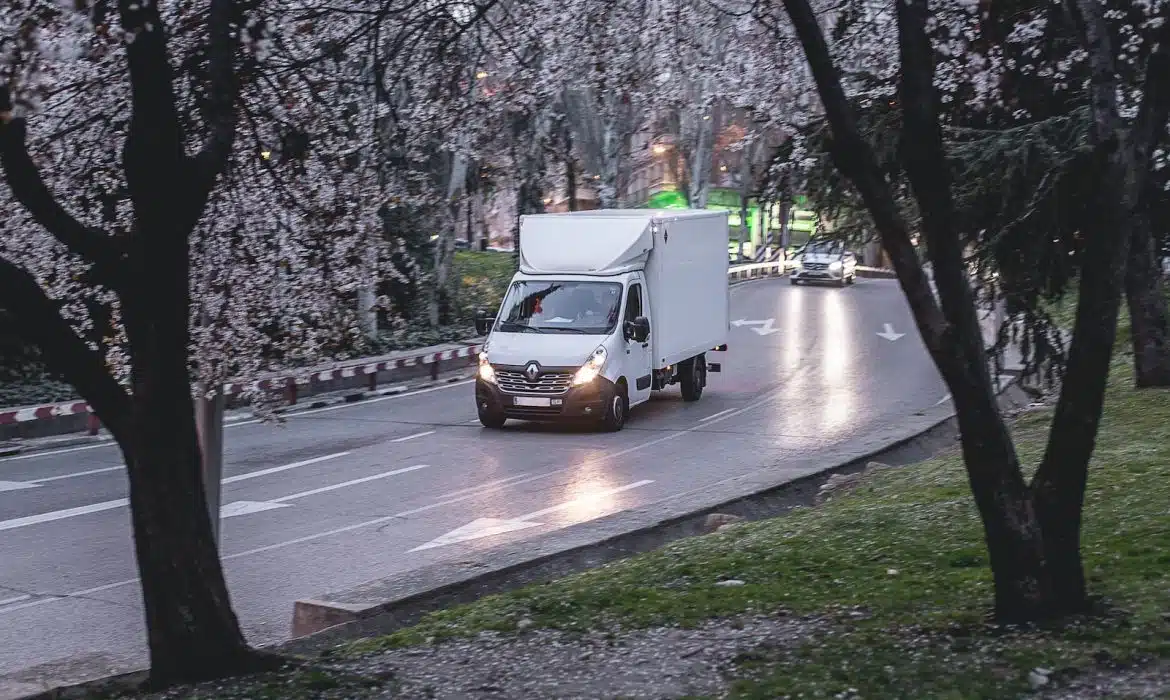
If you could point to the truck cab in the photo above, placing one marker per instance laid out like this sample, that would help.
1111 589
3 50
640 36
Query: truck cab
580 336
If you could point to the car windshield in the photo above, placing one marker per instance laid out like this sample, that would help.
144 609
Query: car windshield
824 248
587 308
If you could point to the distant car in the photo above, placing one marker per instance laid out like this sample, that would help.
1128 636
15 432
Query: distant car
825 261
462 244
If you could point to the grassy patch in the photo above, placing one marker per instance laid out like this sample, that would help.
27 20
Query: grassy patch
901 566
483 279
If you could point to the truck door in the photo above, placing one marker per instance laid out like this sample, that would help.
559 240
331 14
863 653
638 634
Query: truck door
638 355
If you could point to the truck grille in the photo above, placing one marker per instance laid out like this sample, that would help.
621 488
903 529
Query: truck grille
549 384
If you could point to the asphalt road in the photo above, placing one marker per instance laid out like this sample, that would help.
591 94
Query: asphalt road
350 493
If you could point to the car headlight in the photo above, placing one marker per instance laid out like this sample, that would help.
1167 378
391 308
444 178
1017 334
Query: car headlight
835 265
486 372
591 368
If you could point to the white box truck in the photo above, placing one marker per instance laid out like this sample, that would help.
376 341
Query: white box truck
607 307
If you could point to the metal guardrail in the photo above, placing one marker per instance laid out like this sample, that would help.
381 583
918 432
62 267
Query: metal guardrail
750 270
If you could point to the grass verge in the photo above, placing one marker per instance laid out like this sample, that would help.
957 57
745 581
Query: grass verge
483 279
899 566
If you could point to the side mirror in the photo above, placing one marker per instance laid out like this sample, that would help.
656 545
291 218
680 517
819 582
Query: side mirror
638 330
483 323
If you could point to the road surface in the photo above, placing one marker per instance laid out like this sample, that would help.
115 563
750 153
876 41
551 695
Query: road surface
355 492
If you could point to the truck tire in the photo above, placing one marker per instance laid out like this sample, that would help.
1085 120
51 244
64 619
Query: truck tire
614 418
492 419
692 377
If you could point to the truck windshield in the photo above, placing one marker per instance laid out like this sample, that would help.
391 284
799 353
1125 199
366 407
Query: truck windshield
587 308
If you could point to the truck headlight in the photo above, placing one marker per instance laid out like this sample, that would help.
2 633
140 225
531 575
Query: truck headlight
591 368
486 372
835 265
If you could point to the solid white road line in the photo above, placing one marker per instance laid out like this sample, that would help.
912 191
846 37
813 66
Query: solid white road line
103 470
943 400
411 437
61 514
51 516
277 470
346 484
17 599
16 486
715 415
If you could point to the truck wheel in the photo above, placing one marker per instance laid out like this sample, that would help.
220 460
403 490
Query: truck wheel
692 377
615 413
492 419
793 281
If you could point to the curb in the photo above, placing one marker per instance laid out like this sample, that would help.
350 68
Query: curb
383 606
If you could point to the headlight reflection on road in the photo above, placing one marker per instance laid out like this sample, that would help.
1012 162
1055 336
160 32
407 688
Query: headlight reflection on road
589 494
839 392
792 326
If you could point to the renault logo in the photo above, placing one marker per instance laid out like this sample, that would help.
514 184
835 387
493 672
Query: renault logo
532 370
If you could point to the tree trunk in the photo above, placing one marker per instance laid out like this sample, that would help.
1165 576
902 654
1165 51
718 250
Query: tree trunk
1023 584
192 632
570 171
1148 313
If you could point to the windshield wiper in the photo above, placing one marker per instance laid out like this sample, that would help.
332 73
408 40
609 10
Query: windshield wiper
520 327
565 329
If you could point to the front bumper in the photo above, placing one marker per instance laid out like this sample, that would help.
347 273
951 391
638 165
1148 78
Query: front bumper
587 401
821 275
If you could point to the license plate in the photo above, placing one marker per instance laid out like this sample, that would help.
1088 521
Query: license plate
531 401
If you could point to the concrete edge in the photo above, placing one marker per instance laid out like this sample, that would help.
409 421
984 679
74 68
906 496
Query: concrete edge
104 688
359 612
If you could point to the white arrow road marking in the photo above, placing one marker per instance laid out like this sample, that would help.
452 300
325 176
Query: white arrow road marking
765 325
247 507
482 527
485 527
17 485
889 333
